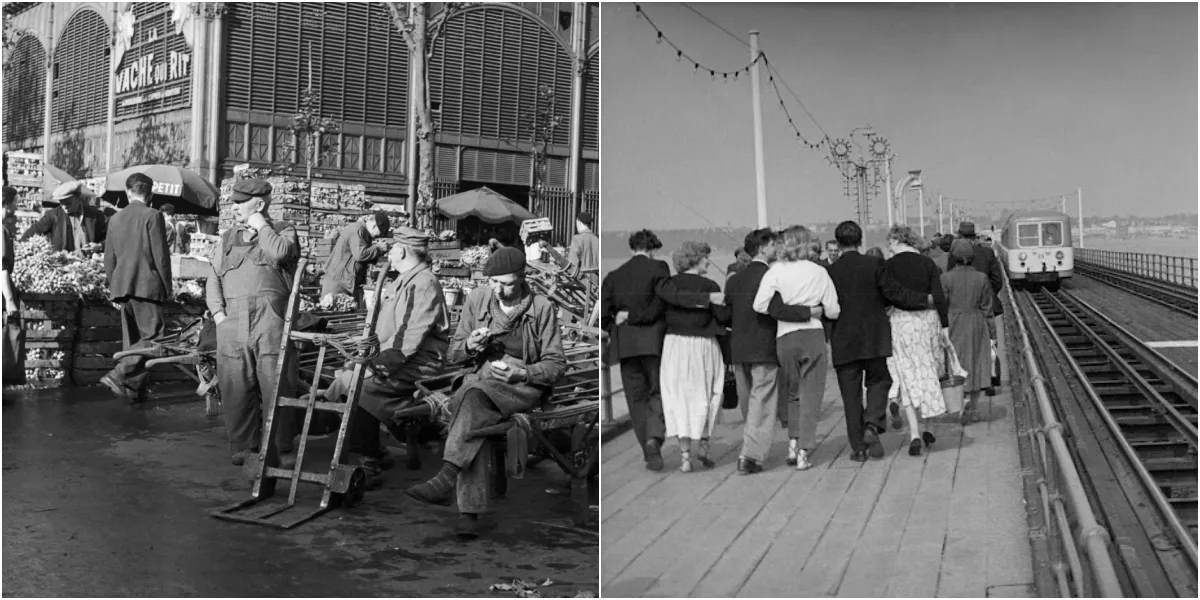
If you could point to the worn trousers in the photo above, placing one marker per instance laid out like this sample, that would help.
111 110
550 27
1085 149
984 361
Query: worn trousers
851 377
758 393
802 368
475 412
142 321
379 400
248 346
639 376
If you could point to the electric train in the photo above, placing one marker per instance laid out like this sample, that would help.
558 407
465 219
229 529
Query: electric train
1035 246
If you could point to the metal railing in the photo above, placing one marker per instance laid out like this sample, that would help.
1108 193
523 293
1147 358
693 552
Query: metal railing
1179 270
606 390
1079 545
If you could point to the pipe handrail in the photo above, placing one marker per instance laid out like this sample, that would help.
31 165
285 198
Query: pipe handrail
1179 270
1093 538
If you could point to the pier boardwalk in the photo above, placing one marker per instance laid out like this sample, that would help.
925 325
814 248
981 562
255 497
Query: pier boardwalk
949 523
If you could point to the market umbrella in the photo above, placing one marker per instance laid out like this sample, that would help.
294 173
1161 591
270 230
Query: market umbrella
484 203
188 191
52 177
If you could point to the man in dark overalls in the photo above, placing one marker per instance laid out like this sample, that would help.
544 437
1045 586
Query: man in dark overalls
253 269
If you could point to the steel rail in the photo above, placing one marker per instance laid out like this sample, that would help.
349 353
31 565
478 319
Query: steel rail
1164 294
1092 536
1152 488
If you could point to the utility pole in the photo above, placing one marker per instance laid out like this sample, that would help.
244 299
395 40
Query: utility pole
921 207
760 172
1079 194
862 195
941 215
1064 204
887 175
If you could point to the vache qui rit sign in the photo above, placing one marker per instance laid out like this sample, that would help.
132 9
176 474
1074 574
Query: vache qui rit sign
145 72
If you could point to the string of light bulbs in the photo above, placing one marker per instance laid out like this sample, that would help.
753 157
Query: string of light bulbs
680 55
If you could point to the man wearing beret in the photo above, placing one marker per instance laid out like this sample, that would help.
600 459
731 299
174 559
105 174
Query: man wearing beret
346 269
512 340
414 339
253 269
72 225
137 261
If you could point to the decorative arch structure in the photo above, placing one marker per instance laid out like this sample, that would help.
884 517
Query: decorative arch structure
25 90
81 73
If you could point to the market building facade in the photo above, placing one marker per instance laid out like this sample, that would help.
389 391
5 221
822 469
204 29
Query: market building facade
97 87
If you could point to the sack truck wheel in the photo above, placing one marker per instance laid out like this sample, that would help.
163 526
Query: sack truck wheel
355 491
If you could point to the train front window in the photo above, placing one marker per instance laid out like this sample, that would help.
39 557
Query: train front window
1027 235
1052 234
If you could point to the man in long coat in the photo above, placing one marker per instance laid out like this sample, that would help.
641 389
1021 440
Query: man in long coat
137 261
346 269
253 269
512 338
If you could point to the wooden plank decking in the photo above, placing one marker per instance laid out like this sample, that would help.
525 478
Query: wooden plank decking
950 523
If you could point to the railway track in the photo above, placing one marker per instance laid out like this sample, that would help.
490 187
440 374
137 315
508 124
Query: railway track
1148 403
1170 295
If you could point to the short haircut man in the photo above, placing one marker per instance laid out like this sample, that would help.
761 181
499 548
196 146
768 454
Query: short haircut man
848 235
139 185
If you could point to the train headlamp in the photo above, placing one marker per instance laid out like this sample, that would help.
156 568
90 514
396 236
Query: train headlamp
1058 255
1022 256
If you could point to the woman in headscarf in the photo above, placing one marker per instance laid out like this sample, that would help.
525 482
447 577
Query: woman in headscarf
970 298
692 374
916 336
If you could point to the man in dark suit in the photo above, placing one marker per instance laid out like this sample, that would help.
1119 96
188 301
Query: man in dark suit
72 225
629 292
138 263
986 262
862 337
752 344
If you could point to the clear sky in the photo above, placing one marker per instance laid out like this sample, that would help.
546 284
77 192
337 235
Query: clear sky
993 102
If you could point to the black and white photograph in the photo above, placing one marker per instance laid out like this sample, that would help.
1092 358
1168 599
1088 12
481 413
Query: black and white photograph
899 300
301 299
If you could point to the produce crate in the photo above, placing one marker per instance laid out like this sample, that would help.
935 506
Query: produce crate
445 254
60 309
445 245
454 272
190 267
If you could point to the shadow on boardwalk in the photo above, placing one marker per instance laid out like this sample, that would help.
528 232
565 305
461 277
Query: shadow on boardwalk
948 523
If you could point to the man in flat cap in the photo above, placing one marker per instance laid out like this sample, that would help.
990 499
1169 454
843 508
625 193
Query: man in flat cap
138 263
253 269
511 337
72 225
346 269
584 253
414 340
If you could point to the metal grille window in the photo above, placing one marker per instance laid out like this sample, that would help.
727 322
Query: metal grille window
235 134
372 155
359 61
327 153
284 144
25 90
157 54
260 149
486 68
81 73
591 103
395 156
350 152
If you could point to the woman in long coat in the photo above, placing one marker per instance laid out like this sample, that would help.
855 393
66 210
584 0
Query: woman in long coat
970 297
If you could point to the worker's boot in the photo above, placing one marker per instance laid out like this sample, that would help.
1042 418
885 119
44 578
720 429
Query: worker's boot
117 387
239 457
438 490
468 526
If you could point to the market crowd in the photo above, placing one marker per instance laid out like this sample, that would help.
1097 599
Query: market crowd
507 335
905 333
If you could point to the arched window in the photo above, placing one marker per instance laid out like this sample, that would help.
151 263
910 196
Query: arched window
358 59
591 103
25 90
81 73
485 71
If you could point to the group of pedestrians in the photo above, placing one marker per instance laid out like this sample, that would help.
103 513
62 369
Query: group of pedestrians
894 328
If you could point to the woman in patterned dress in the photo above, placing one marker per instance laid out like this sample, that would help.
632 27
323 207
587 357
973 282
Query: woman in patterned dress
917 336
692 372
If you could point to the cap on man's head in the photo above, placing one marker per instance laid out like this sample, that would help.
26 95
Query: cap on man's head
966 229
249 188
411 237
70 189
383 223
167 209
505 261
585 218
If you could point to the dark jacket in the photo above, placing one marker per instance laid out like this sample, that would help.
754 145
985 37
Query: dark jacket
865 288
631 287
687 318
56 224
918 273
346 268
752 335
137 259
985 262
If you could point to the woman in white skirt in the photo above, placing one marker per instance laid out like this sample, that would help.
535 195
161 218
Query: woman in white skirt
692 373
917 336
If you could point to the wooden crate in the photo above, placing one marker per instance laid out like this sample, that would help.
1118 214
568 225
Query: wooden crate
61 309
454 272
446 254
188 267
441 245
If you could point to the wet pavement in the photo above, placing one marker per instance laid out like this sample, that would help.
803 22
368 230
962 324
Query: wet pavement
104 500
